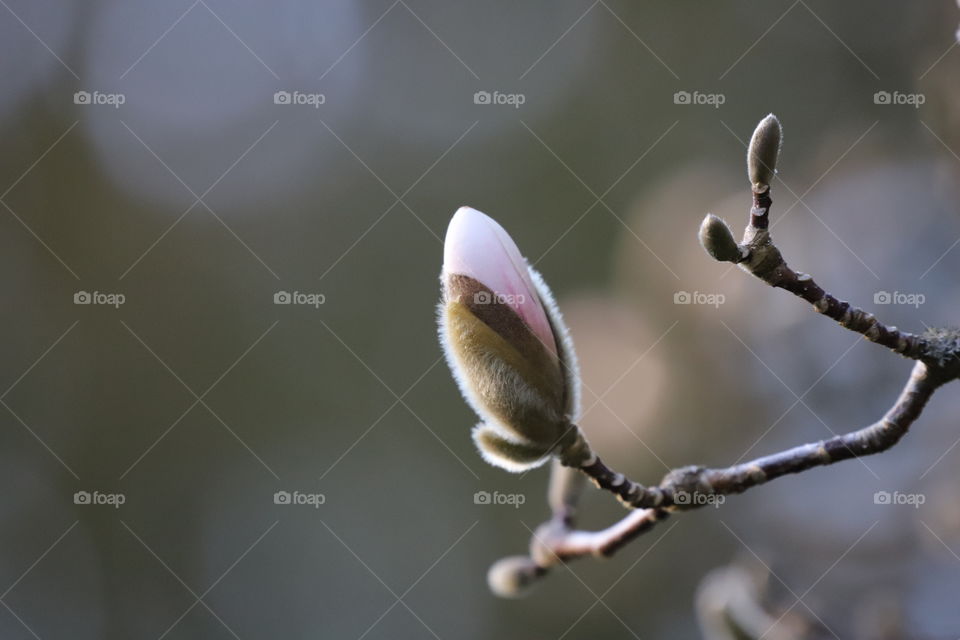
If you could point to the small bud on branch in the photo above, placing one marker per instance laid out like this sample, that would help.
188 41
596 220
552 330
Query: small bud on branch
717 238
762 153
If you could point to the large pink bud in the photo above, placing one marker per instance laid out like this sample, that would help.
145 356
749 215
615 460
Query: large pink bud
507 347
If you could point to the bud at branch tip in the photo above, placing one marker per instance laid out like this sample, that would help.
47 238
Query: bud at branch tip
762 153
513 576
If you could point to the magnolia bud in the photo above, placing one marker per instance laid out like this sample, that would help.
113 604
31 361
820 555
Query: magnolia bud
762 153
717 238
507 347
511 577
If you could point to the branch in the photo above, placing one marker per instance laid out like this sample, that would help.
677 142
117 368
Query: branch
689 487
937 353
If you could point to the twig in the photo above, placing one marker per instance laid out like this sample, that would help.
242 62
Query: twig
760 257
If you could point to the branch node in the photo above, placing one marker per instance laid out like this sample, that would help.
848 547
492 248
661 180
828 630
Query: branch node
686 486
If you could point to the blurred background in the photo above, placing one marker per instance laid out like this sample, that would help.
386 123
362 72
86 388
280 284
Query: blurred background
224 410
